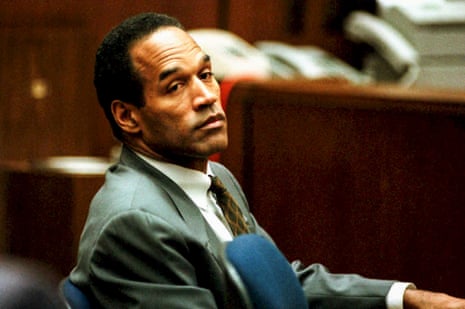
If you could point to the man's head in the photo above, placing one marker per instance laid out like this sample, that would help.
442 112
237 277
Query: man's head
114 74
158 91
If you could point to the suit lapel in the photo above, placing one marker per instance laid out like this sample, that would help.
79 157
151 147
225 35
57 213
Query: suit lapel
196 223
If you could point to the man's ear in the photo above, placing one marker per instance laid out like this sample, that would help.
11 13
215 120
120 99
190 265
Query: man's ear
125 115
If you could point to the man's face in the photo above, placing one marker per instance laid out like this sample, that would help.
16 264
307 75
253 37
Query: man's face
182 116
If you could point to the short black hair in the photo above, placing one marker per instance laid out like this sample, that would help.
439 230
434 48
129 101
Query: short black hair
114 75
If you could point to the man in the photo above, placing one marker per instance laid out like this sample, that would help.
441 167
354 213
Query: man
154 233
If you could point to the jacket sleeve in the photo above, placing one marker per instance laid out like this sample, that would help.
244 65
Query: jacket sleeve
326 290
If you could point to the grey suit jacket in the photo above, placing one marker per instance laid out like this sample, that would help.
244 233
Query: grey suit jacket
146 245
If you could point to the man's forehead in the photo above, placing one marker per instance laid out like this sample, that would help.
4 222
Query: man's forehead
168 37
162 40
163 44
165 52
172 70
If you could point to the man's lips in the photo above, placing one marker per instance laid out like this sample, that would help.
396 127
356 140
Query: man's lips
212 122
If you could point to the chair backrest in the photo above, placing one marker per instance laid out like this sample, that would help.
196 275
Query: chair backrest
267 276
73 296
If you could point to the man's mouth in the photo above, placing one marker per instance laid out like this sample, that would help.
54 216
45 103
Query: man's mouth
213 122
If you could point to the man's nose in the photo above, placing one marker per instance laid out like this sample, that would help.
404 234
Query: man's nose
205 94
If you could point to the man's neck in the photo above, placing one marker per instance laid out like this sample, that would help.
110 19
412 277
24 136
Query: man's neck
199 164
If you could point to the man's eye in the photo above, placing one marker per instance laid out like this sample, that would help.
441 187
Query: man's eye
206 75
174 87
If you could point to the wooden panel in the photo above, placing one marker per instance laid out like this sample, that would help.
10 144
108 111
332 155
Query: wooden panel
99 17
42 110
45 213
365 180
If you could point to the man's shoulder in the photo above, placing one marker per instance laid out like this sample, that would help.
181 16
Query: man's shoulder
128 185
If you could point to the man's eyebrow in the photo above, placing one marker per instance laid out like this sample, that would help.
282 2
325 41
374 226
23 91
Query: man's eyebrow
165 74
206 58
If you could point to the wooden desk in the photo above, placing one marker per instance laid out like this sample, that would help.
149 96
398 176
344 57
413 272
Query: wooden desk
362 179
43 212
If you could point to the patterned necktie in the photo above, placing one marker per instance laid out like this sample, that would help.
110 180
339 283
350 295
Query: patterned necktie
231 210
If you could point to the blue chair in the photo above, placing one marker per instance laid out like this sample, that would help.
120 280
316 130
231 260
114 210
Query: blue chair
266 275
73 296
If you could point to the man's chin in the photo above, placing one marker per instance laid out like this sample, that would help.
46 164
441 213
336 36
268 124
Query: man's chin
218 148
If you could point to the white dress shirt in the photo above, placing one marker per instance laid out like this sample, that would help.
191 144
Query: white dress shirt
196 184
